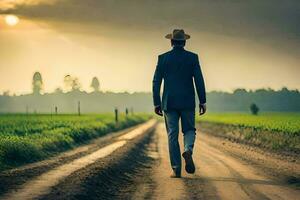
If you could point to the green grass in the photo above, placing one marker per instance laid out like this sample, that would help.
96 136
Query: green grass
279 122
278 131
29 138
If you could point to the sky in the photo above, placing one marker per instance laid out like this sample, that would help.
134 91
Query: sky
241 44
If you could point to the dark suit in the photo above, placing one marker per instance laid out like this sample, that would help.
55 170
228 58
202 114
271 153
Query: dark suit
178 68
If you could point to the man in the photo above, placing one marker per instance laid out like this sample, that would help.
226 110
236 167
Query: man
179 69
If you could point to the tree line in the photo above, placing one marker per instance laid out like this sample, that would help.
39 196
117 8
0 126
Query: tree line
66 100
71 83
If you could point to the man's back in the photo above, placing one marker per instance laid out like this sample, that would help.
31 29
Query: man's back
177 68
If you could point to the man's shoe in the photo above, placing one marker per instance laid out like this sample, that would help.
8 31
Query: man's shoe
175 174
189 163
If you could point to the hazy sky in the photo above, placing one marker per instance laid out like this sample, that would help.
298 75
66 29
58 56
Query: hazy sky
250 44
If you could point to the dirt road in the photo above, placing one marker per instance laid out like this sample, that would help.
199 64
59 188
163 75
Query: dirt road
135 165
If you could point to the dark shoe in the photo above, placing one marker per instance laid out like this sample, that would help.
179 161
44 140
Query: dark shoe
189 163
175 174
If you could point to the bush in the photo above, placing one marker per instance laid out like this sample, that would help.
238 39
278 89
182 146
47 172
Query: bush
254 109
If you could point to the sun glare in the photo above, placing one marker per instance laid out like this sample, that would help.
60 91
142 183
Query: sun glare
11 20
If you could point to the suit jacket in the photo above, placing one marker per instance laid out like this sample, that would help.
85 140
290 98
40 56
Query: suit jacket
179 69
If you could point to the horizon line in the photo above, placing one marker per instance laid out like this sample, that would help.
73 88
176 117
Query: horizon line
8 93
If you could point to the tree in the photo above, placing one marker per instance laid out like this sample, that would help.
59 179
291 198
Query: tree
37 83
67 82
58 91
240 91
95 84
6 93
72 83
75 84
254 109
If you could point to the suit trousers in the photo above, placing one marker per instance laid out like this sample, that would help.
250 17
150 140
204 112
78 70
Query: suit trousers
189 133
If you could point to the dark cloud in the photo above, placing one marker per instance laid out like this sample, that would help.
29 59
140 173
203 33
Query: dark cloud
271 22
269 18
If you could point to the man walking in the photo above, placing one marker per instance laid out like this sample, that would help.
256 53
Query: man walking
179 69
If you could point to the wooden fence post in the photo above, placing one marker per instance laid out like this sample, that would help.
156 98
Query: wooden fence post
79 108
116 115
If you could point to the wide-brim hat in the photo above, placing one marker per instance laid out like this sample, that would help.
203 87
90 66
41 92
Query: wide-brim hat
178 34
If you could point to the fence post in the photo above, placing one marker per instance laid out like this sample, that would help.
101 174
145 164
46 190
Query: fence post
79 108
116 115
55 110
127 112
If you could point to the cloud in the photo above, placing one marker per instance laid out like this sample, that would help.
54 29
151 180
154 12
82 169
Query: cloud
267 21
227 16
12 4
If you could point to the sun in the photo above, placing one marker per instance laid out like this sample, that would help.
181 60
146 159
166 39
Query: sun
11 20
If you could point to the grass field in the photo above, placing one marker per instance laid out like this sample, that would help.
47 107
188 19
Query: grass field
29 138
285 122
279 131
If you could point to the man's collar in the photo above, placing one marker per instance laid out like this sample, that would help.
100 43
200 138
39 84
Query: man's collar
178 47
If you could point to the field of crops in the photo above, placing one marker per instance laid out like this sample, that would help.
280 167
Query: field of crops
272 130
28 138
285 122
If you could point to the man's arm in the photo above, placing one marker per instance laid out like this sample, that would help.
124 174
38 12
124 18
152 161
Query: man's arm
156 84
200 85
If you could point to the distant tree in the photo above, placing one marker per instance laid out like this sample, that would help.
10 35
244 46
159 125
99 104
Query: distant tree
37 83
76 84
284 89
72 83
270 90
6 93
95 84
259 91
254 109
58 91
240 91
67 82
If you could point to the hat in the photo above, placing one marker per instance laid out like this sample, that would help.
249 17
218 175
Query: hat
178 34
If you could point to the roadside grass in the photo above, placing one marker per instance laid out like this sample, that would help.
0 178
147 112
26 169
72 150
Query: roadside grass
278 131
29 138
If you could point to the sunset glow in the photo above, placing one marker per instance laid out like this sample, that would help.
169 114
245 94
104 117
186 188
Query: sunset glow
11 20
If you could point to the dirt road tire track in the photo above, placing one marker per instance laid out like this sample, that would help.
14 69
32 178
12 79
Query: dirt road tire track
236 179
284 169
114 177
12 179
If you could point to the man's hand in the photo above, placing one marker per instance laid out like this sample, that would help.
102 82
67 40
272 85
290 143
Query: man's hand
202 109
158 110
